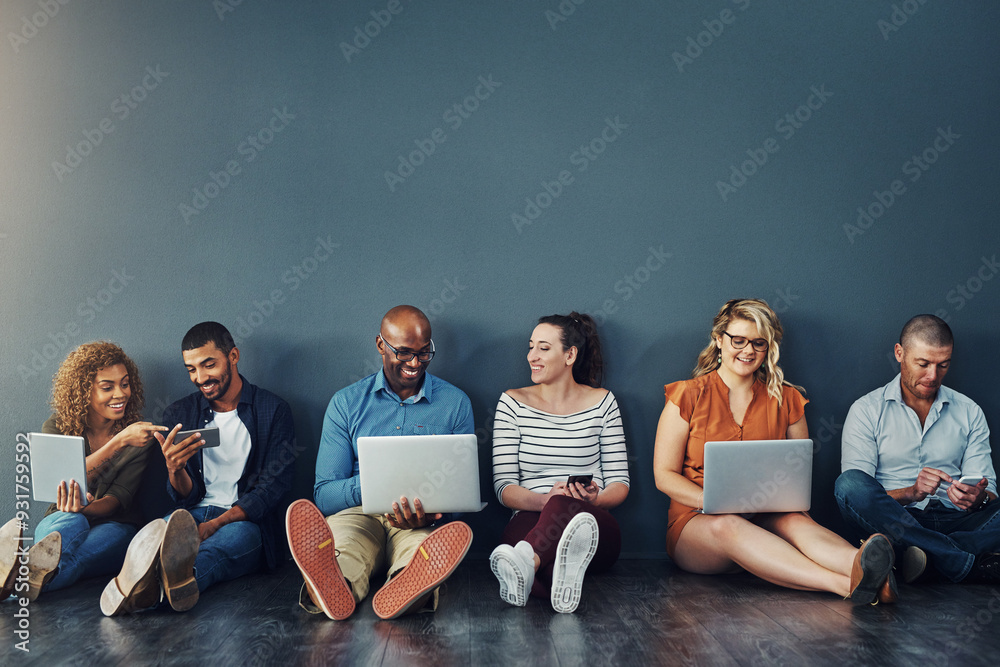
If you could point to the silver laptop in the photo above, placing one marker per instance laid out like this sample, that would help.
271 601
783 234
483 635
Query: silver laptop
751 476
54 459
441 470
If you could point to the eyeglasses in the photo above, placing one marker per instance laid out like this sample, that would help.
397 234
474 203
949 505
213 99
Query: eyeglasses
406 355
740 342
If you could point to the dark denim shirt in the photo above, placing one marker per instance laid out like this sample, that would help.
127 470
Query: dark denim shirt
270 467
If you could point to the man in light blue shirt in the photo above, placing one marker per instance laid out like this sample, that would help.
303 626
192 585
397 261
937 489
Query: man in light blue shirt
400 399
917 466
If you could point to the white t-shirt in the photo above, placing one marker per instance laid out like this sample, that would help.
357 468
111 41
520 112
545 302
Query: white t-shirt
223 465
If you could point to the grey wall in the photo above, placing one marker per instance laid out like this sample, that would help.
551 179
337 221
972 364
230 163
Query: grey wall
101 246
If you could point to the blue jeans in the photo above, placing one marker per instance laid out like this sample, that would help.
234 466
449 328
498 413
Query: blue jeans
86 551
952 538
232 551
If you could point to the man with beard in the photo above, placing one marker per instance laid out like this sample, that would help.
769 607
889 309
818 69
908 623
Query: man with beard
917 467
229 497
335 544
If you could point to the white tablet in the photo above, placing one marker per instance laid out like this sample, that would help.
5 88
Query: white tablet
54 459
441 470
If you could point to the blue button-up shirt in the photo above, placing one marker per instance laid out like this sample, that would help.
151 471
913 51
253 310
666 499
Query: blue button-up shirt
883 437
369 407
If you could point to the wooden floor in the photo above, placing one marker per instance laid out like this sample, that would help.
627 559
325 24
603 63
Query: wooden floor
641 613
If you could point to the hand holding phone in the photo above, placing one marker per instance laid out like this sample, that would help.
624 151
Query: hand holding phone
209 435
585 480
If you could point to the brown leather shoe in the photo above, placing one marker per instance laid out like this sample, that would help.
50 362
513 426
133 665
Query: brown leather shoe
43 559
888 593
872 567
177 556
10 542
136 587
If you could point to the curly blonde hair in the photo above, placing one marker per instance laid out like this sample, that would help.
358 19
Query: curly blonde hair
73 382
768 326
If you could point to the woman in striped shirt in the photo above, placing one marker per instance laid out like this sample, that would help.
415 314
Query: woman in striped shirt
564 426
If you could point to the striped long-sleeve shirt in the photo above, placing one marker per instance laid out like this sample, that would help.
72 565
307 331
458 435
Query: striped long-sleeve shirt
535 449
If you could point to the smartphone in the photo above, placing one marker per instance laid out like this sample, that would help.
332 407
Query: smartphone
971 479
581 479
209 435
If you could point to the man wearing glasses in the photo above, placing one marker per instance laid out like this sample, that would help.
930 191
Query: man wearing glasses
917 467
336 546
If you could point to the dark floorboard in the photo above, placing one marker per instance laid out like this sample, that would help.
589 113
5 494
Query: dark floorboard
641 613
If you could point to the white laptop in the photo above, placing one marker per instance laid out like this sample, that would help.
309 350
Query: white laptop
751 476
54 459
441 470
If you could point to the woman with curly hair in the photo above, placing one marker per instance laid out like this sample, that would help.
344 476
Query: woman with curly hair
97 394
738 392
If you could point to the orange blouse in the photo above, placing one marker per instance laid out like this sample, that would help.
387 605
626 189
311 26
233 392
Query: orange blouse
704 405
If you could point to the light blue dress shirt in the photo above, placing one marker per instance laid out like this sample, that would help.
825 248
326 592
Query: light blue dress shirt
370 407
883 438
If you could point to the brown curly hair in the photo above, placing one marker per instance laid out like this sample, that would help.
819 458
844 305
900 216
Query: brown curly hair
73 382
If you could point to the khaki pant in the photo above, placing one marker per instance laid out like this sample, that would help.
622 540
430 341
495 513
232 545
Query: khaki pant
366 544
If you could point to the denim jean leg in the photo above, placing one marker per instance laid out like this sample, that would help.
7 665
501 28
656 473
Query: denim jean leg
975 532
865 505
86 551
232 551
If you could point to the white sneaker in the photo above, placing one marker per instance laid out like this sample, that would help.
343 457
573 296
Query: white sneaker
514 567
575 551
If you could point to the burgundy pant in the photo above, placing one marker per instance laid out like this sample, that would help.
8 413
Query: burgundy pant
542 531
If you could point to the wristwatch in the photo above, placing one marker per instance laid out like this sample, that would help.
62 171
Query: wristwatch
986 501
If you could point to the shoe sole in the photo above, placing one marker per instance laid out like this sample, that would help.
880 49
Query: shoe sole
505 568
43 559
10 540
576 549
311 543
177 556
435 560
876 564
139 567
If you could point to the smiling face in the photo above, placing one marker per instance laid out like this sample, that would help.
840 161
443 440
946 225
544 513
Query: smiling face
547 358
743 362
211 370
922 368
408 332
110 395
